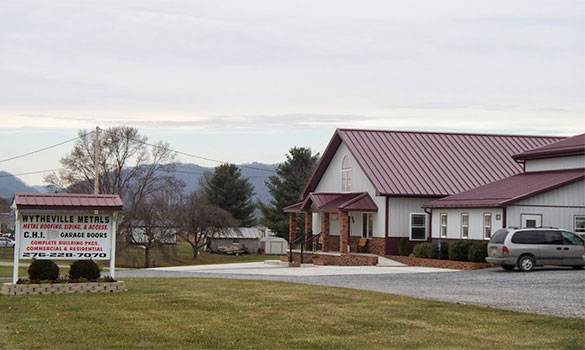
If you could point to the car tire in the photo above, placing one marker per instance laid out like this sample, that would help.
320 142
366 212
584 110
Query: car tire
508 267
526 263
577 267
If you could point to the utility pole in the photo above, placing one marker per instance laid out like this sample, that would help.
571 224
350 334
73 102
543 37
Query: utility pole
96 184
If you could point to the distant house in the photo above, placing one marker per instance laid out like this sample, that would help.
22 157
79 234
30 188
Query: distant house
245 238
141 234
373 184
549 192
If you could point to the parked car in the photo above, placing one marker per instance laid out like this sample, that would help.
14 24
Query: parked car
526 248
6 242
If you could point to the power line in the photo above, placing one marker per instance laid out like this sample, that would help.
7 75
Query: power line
31 172
45 148
208 159
146 143
202 172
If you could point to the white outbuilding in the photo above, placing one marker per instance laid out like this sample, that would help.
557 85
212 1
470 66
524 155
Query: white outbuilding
273 245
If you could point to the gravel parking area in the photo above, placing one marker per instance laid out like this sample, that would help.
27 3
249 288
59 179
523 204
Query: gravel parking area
548 291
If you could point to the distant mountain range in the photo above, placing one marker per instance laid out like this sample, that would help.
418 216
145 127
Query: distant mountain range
256 173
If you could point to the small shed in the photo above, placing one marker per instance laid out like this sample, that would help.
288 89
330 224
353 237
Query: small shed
273 245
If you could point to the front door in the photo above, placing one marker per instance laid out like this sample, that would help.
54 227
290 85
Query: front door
531 220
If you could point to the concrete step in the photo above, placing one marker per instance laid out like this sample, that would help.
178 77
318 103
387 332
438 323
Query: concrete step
385 262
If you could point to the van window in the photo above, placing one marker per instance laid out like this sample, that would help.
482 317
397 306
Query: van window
527 237
499 237
571 239
552 237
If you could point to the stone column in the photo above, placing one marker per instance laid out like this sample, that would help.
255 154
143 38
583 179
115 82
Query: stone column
325 230
344 235
308 229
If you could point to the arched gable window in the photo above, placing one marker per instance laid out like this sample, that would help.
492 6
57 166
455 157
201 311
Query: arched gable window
346 174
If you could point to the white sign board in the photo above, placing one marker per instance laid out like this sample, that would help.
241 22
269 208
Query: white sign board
65 236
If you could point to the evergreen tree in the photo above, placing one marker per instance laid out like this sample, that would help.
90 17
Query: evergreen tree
232 193
286 188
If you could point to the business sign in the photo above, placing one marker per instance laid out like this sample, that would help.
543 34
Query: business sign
65 236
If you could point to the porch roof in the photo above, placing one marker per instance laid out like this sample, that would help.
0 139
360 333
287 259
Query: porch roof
360 201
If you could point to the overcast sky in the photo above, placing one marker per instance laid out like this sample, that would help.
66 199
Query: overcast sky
244 81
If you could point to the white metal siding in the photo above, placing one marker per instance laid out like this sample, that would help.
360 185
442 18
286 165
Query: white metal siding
551 216
569 195
399 212
475 222
558 163
331 182
557 207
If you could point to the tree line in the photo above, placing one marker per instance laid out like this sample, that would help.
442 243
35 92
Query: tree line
156 206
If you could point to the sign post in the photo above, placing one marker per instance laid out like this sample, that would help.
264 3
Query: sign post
16 248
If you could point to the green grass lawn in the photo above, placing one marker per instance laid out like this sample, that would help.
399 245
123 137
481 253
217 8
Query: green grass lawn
238 314
177 255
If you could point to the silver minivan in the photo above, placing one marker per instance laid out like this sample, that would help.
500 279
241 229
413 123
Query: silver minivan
530 247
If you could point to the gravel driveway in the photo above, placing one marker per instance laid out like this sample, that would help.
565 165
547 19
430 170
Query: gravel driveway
548 291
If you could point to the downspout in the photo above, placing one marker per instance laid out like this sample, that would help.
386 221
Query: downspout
430 223
504 217
386 219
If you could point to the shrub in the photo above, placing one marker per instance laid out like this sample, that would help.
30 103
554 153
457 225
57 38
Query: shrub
459 250
87 269
478 252
43 270
423 250
444 254
403 247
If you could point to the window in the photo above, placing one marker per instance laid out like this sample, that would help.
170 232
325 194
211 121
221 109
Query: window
487 225
346 174
579 223
367 225
552 237
499 237
418 227
571 239
464 225
538 237
443 225
528 237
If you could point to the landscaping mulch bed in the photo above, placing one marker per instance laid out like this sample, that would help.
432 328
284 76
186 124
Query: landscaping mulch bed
444 264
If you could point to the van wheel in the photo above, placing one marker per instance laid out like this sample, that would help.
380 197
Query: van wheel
508 267
526 263
578 267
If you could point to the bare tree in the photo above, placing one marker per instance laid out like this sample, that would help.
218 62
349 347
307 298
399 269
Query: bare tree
198 220
128 166
153 225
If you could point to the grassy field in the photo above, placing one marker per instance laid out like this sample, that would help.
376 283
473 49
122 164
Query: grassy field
177 255
238 314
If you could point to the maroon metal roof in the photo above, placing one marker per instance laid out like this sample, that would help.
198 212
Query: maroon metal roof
339 201
67 201
427 164
569 147
507 191
295 208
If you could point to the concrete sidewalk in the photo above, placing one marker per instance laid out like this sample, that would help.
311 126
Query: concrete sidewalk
276 268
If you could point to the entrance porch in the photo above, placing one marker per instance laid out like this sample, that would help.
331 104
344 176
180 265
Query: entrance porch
338 213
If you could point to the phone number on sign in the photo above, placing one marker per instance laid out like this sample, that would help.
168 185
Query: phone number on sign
63 255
